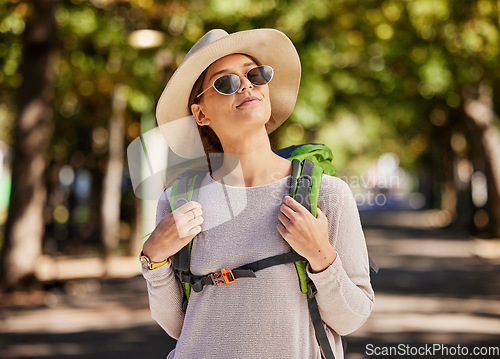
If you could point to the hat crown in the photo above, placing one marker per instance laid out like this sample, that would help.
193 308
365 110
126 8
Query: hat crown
207 39
268 46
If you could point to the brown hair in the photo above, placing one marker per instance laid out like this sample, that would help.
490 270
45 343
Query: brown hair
209 139
211 142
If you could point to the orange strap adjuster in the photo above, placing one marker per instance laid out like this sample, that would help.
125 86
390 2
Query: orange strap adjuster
224 276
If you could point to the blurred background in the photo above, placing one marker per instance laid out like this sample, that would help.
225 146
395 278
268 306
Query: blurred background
406 93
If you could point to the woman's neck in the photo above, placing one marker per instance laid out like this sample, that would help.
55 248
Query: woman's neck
250 162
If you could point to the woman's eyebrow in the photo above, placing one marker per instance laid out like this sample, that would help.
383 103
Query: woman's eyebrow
246 64
217 73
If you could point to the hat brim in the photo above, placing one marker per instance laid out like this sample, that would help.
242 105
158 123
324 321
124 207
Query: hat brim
268 46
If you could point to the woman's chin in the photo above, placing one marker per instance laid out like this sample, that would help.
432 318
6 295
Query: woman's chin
254 118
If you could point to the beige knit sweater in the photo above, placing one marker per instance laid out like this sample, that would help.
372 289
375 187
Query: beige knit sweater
263 317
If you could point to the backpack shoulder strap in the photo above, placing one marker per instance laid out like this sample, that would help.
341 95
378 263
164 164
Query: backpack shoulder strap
319 328
308 195
373 266
180 260
304 188
295 172
185 189
306 181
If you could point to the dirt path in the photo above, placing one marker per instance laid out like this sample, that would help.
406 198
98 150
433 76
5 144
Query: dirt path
432 289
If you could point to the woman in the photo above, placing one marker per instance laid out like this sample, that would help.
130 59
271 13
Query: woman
266 316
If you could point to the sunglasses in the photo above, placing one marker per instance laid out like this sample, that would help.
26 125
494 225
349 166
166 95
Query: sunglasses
229 84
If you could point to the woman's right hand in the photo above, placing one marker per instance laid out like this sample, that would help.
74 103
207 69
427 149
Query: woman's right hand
174 232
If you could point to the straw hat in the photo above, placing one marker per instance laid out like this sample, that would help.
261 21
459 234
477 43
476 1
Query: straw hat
270 47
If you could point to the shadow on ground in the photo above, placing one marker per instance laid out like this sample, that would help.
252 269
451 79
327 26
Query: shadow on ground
146 341
431 289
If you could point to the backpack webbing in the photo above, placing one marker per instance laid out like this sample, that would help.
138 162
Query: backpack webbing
304 187
305 190
184 189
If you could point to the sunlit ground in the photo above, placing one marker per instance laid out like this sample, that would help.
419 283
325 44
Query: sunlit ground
434 286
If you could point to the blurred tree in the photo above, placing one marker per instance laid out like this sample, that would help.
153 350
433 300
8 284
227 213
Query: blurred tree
417 78
400 77
110 205
33 132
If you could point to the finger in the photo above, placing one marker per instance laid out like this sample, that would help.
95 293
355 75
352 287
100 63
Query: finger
196 221
293 204
320 214
286 210
193 231
181 219
189 206
197 211
284 220
189 231
282 230
192 226
189 216
184 218
285 233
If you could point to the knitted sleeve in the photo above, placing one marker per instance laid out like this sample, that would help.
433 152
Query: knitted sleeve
164 290
345 296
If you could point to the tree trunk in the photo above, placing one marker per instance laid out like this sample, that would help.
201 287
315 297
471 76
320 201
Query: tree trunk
110 205
136 233
449 190
478 106
32 135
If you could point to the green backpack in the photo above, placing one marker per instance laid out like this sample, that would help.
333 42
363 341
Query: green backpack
309 162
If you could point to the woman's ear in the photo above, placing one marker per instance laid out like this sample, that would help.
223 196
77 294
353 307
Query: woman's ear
199 115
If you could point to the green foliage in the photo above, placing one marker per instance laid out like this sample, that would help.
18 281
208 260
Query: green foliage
387 66
11 27
374 73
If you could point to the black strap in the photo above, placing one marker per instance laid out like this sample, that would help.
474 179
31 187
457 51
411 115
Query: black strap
197 186
198 282
248 270
284 258
319 329
304 182
373 266
180 260
182 189
295 173
303 196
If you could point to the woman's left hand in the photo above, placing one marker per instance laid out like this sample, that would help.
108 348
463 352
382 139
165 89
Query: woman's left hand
307 235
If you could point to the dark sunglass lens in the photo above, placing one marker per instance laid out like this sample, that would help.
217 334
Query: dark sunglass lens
227 84
260 75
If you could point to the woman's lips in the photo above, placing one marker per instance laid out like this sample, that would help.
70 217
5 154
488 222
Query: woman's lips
249 101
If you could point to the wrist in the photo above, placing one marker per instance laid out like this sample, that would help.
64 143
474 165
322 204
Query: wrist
152 255
153 251
147 263
323 259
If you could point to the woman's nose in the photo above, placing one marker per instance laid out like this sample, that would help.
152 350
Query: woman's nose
244 83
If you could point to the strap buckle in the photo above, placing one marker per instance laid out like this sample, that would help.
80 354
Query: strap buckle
224 276
311 289
305 180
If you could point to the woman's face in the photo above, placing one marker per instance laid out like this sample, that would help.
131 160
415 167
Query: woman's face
233 115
